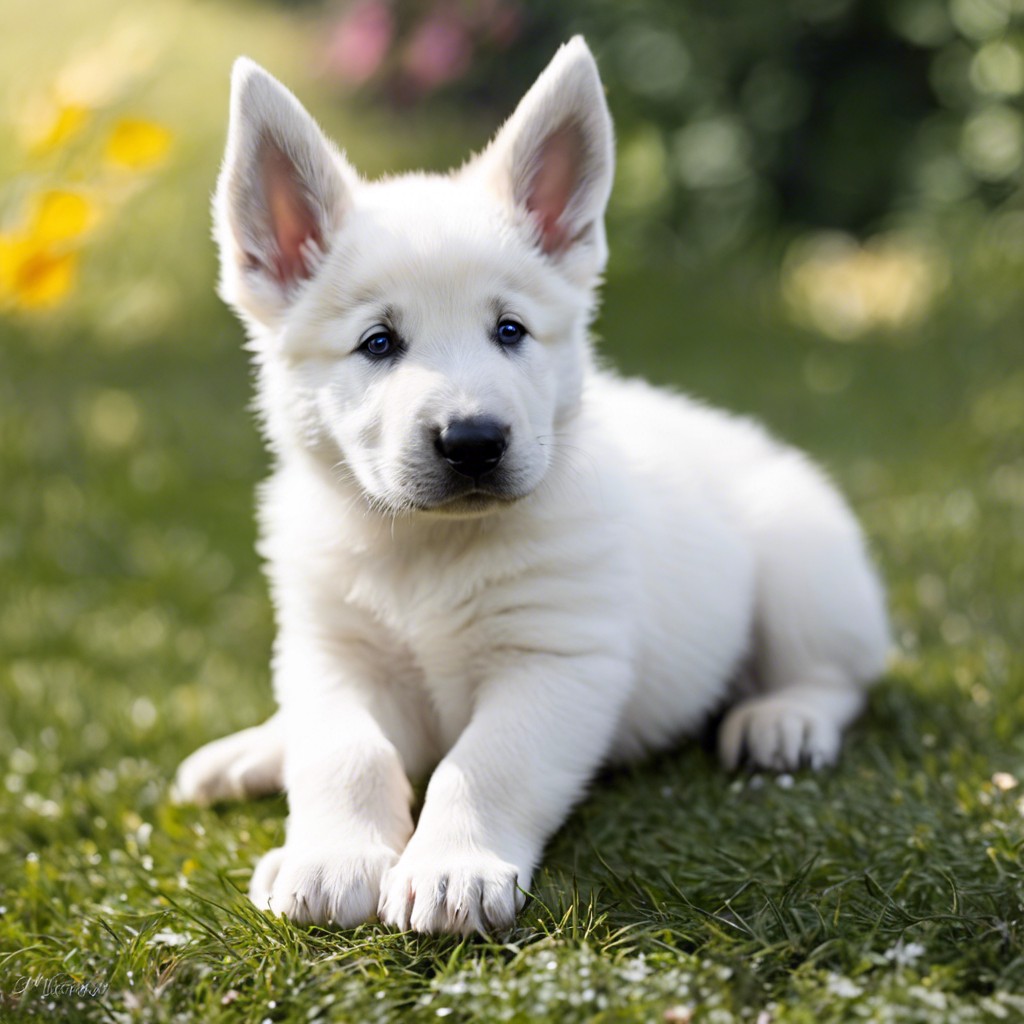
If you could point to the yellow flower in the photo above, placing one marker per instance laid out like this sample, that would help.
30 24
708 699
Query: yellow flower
32 275
37 266
59 216
137 145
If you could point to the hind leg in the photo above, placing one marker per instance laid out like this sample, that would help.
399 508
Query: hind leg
244 765
821 629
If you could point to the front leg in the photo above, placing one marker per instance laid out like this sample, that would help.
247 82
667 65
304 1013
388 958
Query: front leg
348 796
541 726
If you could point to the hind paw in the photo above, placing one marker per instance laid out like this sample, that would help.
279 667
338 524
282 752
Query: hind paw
778 733
244 765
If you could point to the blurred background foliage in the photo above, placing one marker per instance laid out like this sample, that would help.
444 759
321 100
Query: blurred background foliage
867 143
828 113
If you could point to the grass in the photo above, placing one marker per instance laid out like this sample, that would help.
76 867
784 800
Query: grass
134 625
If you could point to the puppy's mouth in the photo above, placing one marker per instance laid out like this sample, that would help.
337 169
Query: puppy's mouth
472 502
441 493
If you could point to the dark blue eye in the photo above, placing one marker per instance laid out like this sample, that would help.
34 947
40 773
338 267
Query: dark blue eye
510 333
380 344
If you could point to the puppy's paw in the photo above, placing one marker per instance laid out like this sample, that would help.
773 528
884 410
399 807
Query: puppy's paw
451 891
778 733
334 885
244 765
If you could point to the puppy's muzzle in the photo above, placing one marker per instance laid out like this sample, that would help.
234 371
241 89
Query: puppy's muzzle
473 447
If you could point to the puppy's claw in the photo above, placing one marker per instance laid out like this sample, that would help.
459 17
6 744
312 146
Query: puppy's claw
475 892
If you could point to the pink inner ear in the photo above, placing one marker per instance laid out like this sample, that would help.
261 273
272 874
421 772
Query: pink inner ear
292 219
554 182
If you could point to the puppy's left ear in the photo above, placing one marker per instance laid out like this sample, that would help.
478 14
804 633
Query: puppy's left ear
282 193
553 160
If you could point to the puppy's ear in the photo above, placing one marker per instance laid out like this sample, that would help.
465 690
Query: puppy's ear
282 193
554 157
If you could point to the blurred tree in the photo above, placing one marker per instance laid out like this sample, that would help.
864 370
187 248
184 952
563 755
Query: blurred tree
731 117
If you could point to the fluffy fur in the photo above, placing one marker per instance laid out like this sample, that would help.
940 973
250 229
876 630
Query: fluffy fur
597 596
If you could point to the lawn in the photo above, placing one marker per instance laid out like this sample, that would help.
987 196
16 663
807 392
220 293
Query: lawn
134 625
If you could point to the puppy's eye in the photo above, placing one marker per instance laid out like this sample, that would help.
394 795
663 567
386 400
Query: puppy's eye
380 344
510 332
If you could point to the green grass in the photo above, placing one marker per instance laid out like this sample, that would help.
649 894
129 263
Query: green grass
134 625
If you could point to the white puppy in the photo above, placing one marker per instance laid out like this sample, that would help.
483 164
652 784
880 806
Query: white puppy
491 560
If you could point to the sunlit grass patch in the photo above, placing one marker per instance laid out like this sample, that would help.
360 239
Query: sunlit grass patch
844 289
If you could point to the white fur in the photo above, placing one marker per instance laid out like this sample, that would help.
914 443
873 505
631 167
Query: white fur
645 552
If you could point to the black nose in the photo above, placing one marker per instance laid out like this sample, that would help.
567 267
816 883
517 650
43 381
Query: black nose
473 446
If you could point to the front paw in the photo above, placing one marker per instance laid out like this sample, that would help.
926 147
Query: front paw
445 891
328 884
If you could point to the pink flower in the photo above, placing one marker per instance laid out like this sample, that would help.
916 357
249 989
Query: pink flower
359 41
439 51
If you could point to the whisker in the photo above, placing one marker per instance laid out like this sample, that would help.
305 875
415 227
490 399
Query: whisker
569 461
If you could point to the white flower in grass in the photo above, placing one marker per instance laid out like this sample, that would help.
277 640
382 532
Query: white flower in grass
904 954
635 970
844 988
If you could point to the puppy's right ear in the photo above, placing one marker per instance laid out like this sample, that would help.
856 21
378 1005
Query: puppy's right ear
282 193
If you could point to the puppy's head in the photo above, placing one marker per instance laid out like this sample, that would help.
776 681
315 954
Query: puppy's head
423 336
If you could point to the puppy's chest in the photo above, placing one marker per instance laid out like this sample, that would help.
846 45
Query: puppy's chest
443 618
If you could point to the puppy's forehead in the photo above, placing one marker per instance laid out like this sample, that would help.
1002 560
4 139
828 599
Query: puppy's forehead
429 198
422 233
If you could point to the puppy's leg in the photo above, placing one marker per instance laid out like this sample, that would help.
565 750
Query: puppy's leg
242 766
348 794
540 727
821 627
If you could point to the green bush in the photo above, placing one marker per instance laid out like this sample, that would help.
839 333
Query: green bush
739 116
